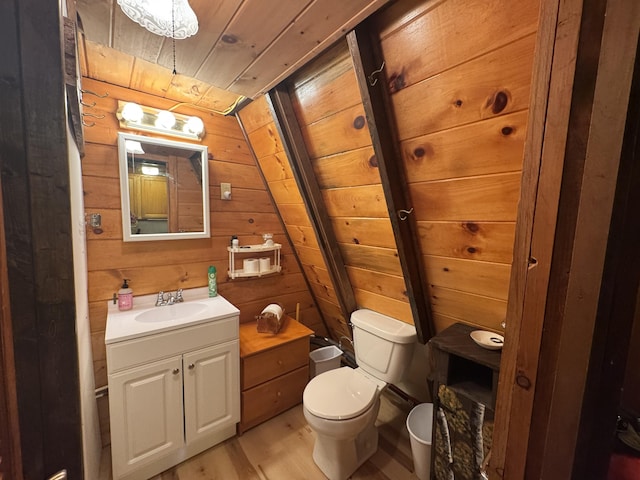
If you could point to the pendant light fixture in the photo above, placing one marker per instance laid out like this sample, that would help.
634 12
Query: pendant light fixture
169 18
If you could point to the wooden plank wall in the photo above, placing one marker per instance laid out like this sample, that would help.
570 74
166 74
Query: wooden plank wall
459 86
460 95
169 265
269 151
330 113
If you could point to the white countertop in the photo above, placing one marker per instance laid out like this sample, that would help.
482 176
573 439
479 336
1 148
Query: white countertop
124 325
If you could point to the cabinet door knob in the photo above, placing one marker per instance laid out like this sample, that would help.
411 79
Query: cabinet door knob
191 366
176 371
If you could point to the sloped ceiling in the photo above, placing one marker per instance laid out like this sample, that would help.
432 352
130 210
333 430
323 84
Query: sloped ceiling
242 48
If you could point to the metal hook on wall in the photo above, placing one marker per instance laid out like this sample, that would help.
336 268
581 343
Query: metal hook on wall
106 94
86 124
88 105
92 115
404 214
372 80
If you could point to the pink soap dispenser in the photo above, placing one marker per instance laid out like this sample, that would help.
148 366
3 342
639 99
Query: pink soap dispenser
125 297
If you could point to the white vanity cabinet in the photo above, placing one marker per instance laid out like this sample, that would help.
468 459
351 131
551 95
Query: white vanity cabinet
172 395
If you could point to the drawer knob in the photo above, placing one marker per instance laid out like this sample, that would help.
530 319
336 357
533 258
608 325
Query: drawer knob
191 366
176 371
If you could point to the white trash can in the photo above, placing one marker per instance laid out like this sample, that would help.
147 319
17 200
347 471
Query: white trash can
323 359
420 425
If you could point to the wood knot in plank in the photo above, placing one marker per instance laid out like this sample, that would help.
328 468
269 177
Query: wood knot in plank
359 122
523 381
498 102
356 241
507 130
422 151
471 249
458 103
373 161
471 227
397 82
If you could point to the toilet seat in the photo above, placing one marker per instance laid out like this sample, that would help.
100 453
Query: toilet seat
340 394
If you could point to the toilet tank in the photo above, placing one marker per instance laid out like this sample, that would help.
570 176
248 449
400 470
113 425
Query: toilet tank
383 345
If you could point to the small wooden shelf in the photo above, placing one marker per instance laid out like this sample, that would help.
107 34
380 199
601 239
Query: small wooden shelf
461 364
253 249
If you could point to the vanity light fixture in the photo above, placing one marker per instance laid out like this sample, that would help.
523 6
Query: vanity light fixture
148 119
168 18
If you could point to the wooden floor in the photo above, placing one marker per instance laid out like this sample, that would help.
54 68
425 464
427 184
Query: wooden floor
281 449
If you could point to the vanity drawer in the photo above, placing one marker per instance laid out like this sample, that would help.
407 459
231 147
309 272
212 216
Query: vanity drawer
272 363
271 398
141 350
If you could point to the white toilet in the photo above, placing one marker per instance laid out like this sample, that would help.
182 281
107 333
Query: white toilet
341 405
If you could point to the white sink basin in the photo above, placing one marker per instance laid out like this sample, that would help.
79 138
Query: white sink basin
147 319
171 312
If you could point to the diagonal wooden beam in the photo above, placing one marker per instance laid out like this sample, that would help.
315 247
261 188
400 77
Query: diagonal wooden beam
367 58
294 146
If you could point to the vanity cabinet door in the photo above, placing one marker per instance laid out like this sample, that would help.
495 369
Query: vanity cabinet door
211 390
146 414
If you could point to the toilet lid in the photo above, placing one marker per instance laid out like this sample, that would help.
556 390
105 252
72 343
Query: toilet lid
339 394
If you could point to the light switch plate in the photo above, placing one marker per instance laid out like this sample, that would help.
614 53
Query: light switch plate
225 191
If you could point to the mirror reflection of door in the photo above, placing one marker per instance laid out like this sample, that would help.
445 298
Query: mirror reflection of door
165 193
149 194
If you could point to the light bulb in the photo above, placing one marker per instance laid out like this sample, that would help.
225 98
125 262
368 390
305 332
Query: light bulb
132 112
194 125
165 120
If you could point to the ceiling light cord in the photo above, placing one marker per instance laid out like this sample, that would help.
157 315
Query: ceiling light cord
173 33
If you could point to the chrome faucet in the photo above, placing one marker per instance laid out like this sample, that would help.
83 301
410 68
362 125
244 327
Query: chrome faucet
160 299
169 299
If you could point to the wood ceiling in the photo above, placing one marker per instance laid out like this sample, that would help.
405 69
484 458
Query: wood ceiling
242 48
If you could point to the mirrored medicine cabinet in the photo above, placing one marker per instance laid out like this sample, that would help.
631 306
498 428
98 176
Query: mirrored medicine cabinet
164 188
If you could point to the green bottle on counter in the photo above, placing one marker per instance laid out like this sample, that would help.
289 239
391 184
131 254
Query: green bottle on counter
213 283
